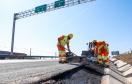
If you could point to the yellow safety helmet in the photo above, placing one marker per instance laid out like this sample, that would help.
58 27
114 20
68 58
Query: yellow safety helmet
70 35
94 41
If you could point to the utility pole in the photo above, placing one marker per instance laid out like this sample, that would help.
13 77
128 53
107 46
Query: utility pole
30 51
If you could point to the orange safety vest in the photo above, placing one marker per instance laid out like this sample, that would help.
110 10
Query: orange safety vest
102 48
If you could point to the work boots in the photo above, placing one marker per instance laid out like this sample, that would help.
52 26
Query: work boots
63 62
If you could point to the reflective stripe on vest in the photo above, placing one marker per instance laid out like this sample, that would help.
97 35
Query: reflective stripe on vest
100 47
107 49
64 41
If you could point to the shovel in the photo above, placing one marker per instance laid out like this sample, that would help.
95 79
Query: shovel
70 51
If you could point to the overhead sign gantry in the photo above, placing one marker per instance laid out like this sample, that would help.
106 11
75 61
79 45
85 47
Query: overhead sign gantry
42 9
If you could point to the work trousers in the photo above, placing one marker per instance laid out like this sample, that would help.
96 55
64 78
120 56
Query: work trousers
104 58
62 53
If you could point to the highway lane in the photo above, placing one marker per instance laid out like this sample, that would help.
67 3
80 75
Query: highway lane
29 72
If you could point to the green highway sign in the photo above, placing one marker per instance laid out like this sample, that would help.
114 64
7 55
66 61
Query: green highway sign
40 8
59 3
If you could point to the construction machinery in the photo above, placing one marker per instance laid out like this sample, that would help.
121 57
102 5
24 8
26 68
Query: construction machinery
90 52
86 57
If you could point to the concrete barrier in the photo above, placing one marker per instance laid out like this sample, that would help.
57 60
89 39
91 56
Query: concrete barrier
124 68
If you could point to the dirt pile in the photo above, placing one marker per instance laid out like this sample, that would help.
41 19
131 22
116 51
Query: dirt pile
125 58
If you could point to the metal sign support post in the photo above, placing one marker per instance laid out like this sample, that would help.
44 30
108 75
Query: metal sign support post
42 9
13 33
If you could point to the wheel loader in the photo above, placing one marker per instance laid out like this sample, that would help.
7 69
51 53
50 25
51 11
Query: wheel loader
85 58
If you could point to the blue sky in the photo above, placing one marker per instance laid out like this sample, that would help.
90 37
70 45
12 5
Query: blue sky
108 20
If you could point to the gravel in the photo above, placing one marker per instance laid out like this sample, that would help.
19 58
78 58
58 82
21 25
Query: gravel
81 76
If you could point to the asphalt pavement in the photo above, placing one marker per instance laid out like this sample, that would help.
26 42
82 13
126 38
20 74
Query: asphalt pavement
30 72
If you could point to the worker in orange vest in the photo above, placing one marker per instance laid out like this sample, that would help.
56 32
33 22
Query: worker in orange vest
101 49
62 41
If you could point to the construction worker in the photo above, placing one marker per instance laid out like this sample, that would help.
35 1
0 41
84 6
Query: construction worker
101 49
62 41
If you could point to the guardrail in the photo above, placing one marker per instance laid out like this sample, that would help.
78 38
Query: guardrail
28 57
